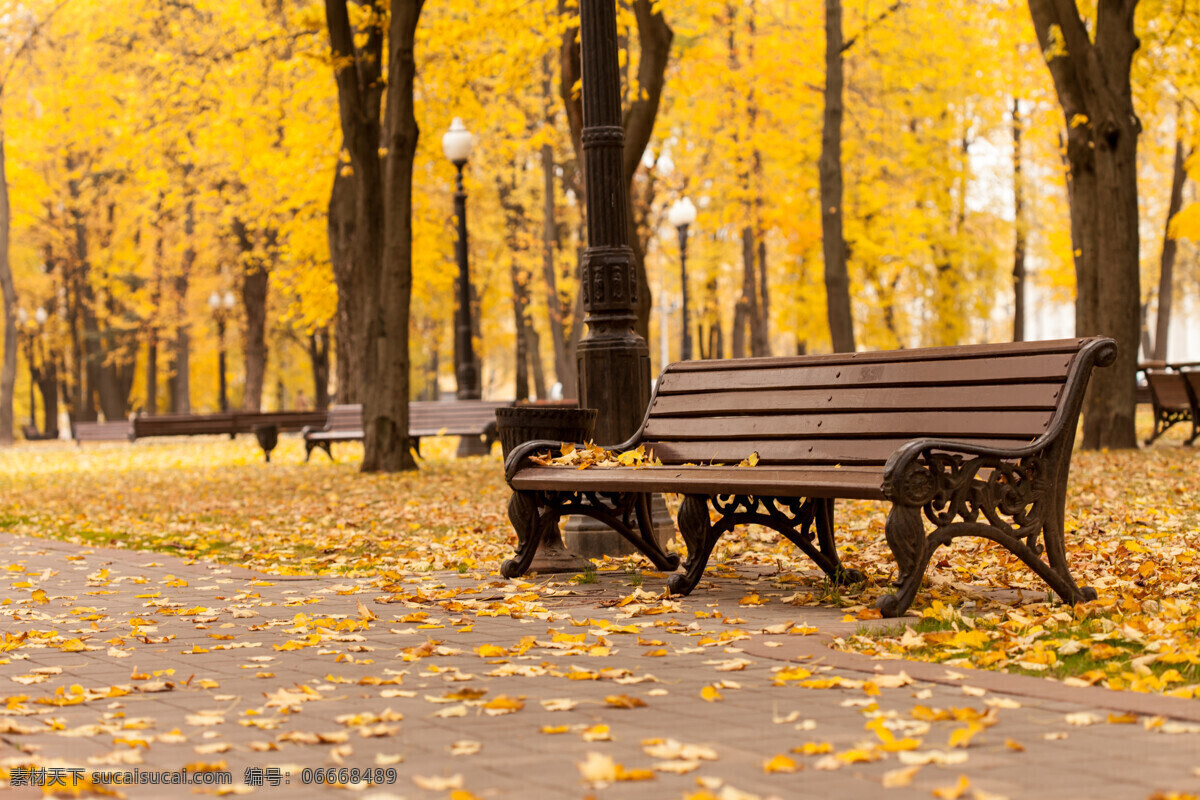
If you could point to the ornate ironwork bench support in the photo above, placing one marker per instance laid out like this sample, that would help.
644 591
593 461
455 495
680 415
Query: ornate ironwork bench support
1022 503
628 513
807 523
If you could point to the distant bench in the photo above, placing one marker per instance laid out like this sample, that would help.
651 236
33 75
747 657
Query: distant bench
116 431
1175 395
228 423
425 418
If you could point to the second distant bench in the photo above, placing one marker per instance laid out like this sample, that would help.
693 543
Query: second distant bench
425 418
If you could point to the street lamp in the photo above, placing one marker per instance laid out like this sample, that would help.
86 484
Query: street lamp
221 305
456 144
681 215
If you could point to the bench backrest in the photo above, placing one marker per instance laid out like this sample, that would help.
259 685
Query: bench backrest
859 408
116 430
346 417
183 425
456 417
1168 388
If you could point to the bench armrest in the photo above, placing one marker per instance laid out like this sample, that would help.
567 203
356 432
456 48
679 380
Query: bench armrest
518 457
900 464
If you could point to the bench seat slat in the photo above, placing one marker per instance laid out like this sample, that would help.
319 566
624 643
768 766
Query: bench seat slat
1022 424
848 482
799 451
1049 368
1021 396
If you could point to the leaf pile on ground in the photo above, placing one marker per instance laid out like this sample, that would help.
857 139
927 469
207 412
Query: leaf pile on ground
1133 533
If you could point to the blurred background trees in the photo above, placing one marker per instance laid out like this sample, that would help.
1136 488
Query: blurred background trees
159 152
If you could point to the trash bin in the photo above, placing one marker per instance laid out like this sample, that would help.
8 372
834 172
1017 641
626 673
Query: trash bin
557 423
522 424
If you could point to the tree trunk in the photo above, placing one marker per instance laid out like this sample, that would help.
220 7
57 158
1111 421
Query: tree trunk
151 406
1167 264
8 295
829 166
255 284
554 303
763 330
1018 228
181 390
1092 81
386 362
318 354
341 255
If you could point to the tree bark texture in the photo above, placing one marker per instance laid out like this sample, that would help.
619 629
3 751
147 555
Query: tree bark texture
318 355
382 242
8 295
348 346
385 377
829 166
1092 81
1166 275
255 280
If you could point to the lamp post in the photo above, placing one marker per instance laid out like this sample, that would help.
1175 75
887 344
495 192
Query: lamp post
681 215
221 305
456 144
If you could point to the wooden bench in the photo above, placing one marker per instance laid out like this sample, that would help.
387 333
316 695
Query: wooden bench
266 425
116 431
977 439
425 418
342 424
1175 395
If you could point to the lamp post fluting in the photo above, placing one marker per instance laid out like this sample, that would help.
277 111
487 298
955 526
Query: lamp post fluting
456 144
221 305
681 215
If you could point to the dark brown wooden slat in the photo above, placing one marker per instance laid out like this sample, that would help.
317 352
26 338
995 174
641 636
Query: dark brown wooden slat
931 373
1017 397
798 451
1168 388
846 482
1023 424
1003 350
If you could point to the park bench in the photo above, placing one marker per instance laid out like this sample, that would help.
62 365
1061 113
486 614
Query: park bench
977 439
265 425
425 418
118 430
1175 395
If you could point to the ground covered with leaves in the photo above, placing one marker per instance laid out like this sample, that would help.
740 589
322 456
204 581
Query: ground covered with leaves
1133 522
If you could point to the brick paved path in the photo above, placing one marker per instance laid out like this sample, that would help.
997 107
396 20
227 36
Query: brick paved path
156 664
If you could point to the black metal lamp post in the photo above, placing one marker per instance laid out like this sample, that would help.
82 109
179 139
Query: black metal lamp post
614 361
221 305
456 144
681 215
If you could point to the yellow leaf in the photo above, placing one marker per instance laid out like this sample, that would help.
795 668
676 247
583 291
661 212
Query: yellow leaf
710 694
953 792
896 778
781 763
625 701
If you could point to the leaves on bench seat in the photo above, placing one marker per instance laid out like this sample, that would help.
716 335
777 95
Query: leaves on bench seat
592 455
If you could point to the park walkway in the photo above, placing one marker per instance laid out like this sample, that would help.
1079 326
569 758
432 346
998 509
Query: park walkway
471 686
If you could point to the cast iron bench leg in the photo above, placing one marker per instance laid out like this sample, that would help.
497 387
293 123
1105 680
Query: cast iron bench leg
528 520
701 537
